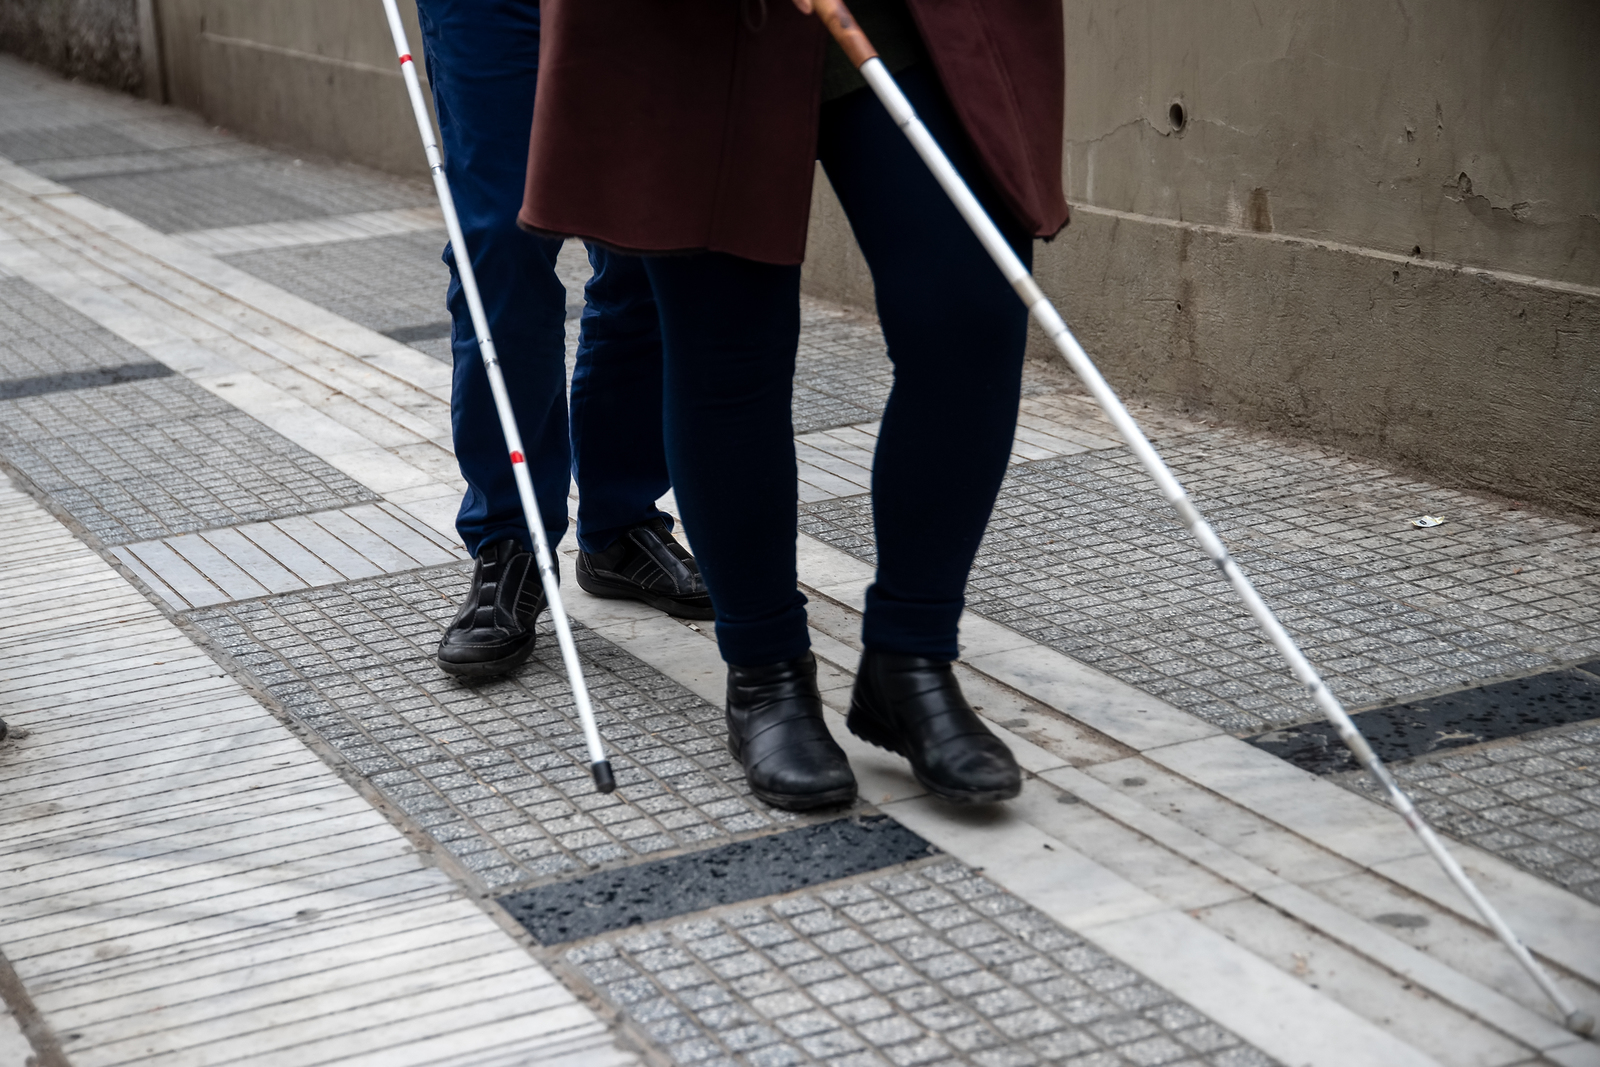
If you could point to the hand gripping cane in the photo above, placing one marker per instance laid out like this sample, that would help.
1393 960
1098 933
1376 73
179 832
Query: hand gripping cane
599 766
856 46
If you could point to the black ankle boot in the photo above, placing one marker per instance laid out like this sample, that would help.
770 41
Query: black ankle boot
775 729
493 633
914 707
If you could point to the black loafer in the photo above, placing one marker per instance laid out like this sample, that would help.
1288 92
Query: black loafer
914 707
646 563
493 633
775 730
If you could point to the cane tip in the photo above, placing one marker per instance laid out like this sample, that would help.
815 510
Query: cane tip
1581 1022
604 780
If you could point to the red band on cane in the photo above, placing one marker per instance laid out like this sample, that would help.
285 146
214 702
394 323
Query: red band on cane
405 59
516 457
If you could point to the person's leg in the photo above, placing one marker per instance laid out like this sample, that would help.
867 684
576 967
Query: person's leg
956 334
625 542
729 329
618 454
482 58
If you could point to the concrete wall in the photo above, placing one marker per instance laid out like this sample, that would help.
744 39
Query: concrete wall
319 76
96 40
1378 226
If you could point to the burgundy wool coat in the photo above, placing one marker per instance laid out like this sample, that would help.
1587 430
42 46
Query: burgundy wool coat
672 125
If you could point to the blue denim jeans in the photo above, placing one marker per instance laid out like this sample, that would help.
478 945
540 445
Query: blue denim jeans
483 62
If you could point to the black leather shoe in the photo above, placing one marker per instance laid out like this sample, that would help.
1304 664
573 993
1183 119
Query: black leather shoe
646 563
914 707
493 633
775 729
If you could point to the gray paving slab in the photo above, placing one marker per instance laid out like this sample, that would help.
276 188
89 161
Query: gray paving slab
236 194
39 335
496 772
389 284
149 459
67 142
1083 555
842 370
934 964
1534 801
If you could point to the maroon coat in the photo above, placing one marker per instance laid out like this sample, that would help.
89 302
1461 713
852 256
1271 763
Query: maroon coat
671 126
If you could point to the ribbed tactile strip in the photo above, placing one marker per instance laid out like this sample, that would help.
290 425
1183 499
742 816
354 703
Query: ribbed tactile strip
184 882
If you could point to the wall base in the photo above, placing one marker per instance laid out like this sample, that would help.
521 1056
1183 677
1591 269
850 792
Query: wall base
1476 379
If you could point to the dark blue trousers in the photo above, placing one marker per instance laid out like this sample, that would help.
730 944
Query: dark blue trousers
956 334
483 63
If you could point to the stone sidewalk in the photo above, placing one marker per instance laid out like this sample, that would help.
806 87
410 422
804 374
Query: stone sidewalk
248 820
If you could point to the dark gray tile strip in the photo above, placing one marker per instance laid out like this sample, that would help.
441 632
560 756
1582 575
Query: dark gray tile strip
82 379
1453 720
429 331
729 874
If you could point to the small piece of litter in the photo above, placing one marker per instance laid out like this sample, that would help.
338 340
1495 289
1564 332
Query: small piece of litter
1427 521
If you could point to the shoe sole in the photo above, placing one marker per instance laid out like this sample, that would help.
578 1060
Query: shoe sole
493 668
621 591
799 801
865 726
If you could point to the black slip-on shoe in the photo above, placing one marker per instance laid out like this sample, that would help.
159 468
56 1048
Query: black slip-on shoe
646 563
775 730
493 632
913 707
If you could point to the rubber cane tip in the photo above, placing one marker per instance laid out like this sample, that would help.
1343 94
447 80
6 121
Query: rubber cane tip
1581 1022
604 780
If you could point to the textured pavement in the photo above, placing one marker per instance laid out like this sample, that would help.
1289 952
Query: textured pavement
1136 906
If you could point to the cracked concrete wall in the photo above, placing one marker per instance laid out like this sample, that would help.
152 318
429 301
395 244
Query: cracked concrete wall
1372 223
96 40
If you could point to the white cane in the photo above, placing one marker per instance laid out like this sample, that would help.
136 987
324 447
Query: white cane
856 46
599 766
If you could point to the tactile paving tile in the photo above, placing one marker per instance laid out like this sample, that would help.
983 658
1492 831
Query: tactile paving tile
149 459
237 194
497 772
66 142
842 371
388 284
933 965
1083 555
39 336
1534 802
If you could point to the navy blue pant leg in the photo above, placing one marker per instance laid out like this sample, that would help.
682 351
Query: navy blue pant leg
618 456
956 335
729 329
483 59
